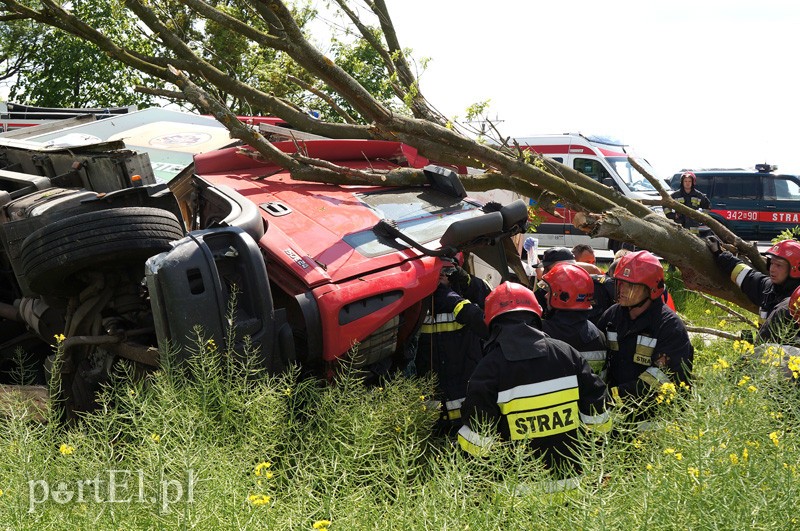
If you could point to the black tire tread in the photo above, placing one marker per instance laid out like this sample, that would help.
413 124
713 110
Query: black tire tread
53 253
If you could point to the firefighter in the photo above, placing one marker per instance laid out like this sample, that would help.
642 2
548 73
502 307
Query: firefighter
781 325
530 387
466 284
692 198
569 291
551 257
765 291
780 339
648 345
584 253
604 292
450 347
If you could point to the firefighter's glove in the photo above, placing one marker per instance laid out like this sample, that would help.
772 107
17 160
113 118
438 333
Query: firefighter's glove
459 278
492 206
714 245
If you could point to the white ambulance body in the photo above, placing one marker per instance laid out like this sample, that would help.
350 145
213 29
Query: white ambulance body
602 159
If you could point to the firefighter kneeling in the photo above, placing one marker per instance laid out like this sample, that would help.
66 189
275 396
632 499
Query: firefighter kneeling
530 387
648 345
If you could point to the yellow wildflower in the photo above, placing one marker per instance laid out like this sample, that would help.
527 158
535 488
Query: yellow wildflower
678 456
258 499
742 346
794 366
668 451
666 392
722 323
721 364
734 459
744 380
66 449
321 524
693 472
774 438
262 468
745 454
288 391
708 312
1 492
60 337
752 388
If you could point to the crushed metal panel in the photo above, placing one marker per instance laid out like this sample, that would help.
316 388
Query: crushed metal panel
169 138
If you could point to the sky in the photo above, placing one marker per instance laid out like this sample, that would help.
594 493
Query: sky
686 84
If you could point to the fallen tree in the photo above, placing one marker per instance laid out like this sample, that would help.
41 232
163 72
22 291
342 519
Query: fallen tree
504 165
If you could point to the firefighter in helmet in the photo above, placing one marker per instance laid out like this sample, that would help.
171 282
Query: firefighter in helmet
781 325
648 345
529 387
692 198
765 291
449 346
569 290
780 339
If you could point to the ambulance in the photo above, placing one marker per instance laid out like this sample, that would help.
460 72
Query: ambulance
601 158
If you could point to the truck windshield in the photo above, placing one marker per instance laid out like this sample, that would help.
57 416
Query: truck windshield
422 215
634 180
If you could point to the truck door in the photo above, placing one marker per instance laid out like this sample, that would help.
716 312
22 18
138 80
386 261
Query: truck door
735 200
781 209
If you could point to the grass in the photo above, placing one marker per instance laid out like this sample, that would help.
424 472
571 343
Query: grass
217 445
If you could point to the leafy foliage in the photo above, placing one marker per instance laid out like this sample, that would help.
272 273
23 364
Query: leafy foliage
57 69
788 234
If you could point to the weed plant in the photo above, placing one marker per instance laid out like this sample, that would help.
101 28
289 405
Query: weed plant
217 444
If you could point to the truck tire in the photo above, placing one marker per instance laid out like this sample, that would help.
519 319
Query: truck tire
51 255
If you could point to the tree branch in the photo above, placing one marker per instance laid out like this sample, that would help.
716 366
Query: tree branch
713 332
730 311
747 249
324 97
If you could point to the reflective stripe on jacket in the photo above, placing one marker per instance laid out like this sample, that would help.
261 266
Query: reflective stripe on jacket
646 352
540 398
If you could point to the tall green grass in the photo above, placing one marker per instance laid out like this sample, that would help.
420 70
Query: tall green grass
262 452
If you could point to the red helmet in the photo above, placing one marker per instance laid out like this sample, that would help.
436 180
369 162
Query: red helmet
689 174
789 250
794 304
642 267
570 287
510 297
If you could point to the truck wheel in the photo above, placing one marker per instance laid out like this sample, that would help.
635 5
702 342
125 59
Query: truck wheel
54 253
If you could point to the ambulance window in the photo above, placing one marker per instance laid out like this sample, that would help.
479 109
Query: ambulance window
590 168
744 186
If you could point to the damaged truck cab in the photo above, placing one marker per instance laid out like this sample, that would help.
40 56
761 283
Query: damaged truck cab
97 250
